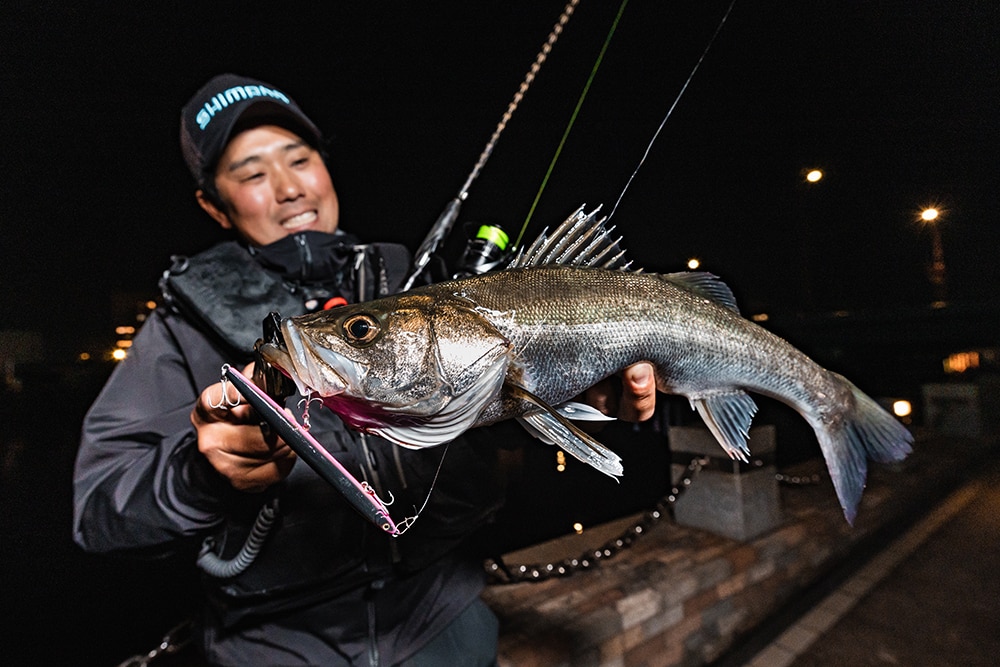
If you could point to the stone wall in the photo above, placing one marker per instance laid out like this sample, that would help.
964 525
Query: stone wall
683 596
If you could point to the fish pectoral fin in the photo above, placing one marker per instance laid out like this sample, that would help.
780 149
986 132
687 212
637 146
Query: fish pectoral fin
582 412
728 417
546 424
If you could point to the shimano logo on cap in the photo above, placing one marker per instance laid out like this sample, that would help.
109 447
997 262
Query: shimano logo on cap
232 96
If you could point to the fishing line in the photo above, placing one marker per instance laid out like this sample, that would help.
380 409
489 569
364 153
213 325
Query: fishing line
572 120
670 111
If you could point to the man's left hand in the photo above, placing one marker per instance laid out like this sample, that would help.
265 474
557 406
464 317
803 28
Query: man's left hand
632 399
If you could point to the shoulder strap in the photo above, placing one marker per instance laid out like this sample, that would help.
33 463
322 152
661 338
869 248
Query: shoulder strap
225 292
228 294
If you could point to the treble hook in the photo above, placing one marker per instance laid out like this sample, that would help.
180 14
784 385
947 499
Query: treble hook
224 401
304 405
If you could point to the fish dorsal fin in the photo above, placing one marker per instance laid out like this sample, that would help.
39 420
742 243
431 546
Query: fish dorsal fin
706 284
582 240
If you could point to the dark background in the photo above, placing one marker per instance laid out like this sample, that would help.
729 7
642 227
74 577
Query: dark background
896 101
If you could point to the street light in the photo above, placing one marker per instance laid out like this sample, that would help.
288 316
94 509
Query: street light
810 187
936 272
814 175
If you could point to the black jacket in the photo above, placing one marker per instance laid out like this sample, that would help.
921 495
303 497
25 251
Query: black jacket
327 587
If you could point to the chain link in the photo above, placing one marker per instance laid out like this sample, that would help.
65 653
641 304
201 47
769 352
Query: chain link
498 572
798 480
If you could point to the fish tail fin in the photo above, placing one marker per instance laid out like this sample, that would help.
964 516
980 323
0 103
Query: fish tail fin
865 431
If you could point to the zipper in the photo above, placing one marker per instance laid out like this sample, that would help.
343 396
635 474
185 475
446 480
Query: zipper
360 276
305 254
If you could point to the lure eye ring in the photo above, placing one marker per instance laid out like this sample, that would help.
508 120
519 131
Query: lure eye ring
361 329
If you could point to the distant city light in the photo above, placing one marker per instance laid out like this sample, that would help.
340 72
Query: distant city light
123 344
560 461
929 214
902 408
694 263
124 331
961 362
814 175
118 354
84 356
151 305
578 528
760 317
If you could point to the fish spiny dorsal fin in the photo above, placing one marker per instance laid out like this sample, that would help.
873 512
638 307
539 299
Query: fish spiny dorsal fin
706 285
582 240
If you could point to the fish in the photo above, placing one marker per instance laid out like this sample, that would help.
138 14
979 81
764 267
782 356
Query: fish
423 366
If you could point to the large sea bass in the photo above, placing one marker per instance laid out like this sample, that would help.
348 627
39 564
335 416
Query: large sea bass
421 367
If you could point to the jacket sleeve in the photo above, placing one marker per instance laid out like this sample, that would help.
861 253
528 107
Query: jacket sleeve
140 483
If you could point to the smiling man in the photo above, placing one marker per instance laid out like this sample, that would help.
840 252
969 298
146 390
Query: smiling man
168 465
270 183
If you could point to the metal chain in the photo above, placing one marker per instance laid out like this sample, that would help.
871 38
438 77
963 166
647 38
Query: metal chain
499 572
179 638
798 480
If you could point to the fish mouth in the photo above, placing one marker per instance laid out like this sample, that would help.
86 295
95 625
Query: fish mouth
315 371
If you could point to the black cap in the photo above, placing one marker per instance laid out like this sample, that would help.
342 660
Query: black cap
209 118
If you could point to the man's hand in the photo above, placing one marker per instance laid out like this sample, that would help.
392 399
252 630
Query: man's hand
633 401
229 436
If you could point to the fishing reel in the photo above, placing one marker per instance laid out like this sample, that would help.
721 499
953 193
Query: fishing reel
484 252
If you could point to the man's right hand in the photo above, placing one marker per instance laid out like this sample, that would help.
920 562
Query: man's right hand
229 436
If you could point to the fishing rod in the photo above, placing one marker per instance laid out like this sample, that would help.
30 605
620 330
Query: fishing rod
444 223
439 231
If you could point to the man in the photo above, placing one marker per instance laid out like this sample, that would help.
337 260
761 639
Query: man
167 461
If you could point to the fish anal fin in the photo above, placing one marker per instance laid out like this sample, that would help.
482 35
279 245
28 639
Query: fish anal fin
728 416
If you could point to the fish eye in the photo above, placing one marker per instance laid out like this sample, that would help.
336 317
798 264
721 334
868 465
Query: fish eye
360 329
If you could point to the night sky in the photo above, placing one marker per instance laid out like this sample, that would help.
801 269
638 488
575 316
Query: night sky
897 101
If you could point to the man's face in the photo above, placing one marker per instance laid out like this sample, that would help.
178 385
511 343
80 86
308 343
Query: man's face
273 184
